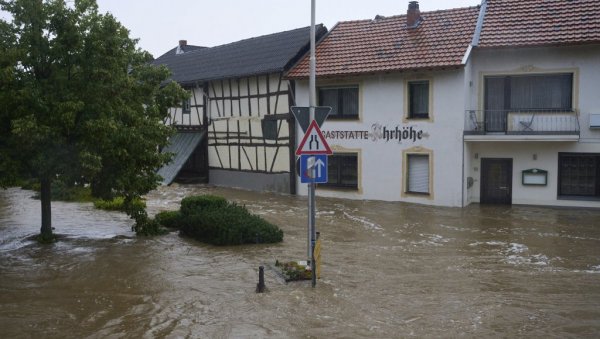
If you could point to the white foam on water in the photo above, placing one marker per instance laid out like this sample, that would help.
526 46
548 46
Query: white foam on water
368 224
517 248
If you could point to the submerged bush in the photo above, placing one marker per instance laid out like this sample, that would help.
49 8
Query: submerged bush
168 219
117 204
198 203
60 191
214 220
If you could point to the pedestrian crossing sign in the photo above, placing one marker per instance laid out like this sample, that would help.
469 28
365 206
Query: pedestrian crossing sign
313 141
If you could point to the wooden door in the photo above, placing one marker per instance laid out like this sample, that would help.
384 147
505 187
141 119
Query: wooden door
496 181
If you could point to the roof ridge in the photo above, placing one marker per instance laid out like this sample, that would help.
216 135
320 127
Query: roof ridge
404 15
209 49
265 36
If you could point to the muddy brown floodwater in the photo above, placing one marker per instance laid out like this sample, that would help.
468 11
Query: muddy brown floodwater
389 270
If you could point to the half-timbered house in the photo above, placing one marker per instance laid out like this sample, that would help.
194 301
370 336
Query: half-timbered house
236 129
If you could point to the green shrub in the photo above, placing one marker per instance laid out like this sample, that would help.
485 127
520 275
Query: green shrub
117 204
148 227
60 191
169 219
197 204
213 220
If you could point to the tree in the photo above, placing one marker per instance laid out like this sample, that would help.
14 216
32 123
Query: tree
79 102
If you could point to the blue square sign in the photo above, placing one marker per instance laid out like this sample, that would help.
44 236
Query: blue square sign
313 168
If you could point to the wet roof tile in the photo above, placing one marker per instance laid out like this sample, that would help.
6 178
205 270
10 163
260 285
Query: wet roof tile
514 23
386 44
259 55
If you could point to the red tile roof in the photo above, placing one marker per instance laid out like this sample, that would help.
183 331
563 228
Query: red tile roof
514 23
385 44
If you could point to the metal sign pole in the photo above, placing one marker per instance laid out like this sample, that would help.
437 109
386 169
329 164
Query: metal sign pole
311 186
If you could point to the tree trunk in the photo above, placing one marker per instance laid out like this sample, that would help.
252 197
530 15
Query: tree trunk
45 197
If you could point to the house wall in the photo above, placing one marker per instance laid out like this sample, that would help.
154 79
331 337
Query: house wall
194 118
382 101
529 155
238 153
584 61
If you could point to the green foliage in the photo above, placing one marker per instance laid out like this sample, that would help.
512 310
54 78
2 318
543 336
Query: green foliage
60 191
79 100
64 192
218 222
149 227
29 184
197 204
169 219
143 224
118 204
292 271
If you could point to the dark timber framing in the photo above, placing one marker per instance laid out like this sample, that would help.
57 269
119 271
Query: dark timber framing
235 139
238 89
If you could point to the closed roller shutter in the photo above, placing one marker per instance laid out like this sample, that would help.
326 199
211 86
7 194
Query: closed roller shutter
418 173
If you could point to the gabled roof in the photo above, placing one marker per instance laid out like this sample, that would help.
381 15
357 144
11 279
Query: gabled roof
173 51
514 23
386 44
265 54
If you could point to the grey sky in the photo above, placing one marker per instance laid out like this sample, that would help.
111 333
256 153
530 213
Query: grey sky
160 24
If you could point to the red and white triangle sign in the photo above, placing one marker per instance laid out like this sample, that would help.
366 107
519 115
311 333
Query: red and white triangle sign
313 141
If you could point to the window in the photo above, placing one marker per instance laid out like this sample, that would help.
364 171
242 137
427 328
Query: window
418 99
529 92
343 101
342 170
417 180
186 105
579 175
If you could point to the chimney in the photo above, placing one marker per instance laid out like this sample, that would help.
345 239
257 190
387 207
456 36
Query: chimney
181 47
413 15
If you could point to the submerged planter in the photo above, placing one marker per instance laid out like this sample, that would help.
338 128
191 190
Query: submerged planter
294 270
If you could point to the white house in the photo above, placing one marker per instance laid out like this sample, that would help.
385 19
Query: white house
532 134
494 104
397 89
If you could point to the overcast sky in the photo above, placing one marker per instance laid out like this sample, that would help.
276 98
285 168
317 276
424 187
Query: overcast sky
160 24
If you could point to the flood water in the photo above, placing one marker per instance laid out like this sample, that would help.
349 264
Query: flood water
389 270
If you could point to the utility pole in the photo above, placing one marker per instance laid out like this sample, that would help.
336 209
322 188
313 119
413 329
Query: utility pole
312 230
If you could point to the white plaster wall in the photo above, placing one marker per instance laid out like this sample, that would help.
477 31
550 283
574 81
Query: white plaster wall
243 117
177 117
585 60
522 154
380 163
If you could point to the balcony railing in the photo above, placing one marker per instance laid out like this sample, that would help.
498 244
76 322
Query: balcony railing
514 122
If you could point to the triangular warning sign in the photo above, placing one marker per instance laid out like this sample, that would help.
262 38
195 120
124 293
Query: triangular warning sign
313 141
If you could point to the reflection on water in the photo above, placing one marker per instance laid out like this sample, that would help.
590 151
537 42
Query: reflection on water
389 270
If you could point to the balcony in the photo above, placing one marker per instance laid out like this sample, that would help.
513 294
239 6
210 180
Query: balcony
511 125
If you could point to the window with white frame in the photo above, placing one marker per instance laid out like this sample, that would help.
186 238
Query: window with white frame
417 180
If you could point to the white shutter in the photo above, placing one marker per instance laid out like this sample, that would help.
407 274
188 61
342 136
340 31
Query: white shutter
418 173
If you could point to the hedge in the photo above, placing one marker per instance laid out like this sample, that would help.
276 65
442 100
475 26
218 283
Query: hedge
216 221
168 219
198 203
